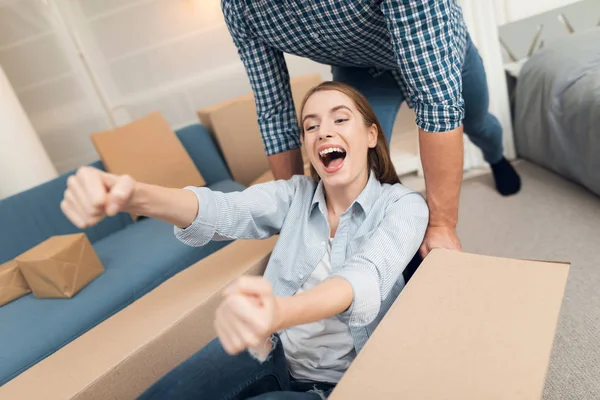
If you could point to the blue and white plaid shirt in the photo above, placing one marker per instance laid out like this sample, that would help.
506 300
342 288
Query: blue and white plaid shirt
376 238
422 42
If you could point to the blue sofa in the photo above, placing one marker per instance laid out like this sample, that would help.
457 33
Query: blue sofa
137 257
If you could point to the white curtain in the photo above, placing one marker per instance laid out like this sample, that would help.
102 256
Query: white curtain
480 17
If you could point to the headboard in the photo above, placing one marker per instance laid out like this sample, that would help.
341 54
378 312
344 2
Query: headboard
520 39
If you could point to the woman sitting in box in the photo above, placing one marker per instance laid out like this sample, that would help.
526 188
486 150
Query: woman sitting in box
345 237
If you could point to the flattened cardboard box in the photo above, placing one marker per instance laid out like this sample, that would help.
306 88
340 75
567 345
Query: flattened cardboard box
465 327
60 266
12 283
122 356
234 125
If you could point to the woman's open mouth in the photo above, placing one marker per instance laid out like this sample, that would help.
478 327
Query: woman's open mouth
332 158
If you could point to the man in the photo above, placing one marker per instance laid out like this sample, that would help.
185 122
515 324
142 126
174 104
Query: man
392 51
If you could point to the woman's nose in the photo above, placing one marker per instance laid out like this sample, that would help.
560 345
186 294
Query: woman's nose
326 133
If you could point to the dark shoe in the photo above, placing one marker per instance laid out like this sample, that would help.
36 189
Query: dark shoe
507 179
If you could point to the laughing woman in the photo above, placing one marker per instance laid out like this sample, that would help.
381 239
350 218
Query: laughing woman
346 236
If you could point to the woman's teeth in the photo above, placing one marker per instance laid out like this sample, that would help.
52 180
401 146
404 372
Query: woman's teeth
331 150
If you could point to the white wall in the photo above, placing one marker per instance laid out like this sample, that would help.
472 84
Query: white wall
174 56
513 10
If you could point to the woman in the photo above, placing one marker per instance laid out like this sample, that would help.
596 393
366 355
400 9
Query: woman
345 237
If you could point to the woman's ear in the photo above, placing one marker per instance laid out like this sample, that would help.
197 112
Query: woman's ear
372 136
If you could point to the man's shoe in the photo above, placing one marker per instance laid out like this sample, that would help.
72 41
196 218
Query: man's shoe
507 179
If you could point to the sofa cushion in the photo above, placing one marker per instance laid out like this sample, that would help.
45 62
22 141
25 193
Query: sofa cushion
136 259
30 217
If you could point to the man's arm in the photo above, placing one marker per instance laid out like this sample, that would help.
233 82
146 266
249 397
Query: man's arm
442 158
424 36
270 82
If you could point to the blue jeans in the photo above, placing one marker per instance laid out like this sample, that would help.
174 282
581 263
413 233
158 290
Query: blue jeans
385 96
212 374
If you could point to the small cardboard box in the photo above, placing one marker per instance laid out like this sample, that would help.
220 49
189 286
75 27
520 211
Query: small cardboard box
234 125
465 327
12 283
60 266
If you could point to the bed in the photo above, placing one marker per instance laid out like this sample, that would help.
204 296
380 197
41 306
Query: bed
555 92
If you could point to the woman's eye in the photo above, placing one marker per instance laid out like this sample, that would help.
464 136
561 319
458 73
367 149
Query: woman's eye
311 128
340 120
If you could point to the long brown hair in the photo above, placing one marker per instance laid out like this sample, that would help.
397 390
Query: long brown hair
378 158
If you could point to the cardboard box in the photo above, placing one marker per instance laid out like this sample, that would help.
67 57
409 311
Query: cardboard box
60 266
148 150
465 327
12 283
122 356
234 126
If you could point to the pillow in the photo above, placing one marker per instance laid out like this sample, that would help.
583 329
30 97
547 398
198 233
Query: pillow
149 151
234 125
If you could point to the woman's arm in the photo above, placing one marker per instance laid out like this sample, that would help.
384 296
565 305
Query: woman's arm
93 194
377 265
198 213
178 207
250 312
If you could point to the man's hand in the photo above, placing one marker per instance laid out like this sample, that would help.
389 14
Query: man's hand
439 237
287 164
247 316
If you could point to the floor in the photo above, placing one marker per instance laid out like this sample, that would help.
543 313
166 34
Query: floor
550 219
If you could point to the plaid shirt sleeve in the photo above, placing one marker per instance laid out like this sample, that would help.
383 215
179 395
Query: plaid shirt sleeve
270 82
427 51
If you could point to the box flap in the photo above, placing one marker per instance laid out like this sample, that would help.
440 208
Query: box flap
465 327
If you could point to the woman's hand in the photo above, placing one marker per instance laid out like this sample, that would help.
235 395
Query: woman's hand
92 194
248 315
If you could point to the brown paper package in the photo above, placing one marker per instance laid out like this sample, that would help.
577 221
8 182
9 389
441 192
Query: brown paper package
12 283
60 266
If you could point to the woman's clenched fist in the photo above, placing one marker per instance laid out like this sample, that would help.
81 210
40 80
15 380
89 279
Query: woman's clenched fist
92 194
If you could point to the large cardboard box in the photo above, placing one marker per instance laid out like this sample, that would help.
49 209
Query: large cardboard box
465 327
124 355
234 125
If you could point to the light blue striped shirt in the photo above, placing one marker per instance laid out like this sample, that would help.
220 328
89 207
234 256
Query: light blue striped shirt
376 238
